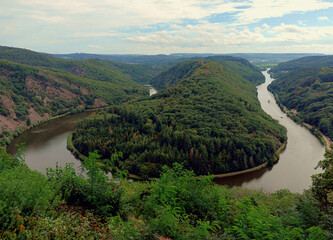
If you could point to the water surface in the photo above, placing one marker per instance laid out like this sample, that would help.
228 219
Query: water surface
296 164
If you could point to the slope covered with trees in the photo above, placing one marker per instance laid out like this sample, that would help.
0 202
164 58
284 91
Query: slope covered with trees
183 70
101 70
29 94
310 92
304 62
210 120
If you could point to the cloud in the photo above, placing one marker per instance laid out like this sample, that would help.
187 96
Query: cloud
49 19
323 18
159 26
95 46
271 8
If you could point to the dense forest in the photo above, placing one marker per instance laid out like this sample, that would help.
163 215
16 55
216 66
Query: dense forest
29 94
210 120
183 70
299 63
310 92
64 205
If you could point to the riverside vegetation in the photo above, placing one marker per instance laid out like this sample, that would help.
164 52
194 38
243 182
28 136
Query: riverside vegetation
65 205
209 119
210 109
35 87
308 90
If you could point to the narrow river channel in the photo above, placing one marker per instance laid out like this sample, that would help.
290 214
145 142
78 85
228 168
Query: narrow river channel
296 164
46 145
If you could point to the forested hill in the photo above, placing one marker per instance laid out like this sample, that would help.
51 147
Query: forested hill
211 121
312 61
183 70
30 93
100 70
242 66
310 92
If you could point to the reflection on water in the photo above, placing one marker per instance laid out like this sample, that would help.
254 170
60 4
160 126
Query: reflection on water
46 144
297 162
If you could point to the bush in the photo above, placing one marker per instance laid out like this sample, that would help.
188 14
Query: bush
95 192
24 193
183 207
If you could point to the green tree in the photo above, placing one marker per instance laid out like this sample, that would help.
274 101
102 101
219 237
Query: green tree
322 183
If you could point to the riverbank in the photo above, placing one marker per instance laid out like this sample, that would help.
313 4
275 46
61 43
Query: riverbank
224 175
292 114
80 156
12 135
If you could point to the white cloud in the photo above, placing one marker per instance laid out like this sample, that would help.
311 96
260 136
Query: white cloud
49 19
95 46
261 9
158 25
323 18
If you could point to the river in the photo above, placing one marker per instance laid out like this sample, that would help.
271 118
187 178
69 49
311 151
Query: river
46 145
297 162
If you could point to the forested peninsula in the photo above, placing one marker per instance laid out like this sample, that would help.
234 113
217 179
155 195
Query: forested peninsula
209 119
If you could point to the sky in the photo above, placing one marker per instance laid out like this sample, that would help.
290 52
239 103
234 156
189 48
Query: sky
168 26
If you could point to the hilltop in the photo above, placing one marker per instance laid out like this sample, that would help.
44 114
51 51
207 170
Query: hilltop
304 62
185 69
210 120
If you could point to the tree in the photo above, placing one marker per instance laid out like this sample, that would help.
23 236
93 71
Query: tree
322 183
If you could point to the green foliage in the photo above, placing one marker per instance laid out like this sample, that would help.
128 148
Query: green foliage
24 193
7 161
322 183
211 121
184 208
299 63
176 206
309 91
185 69
95 192
255 222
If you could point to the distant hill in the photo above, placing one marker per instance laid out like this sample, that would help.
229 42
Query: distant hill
183 70
209 119
89 68
174 58
310 92
304 62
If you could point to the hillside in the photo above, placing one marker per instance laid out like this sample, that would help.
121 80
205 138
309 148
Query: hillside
211 121
101 70
242 66
183 70
310 92
311 61
174 58
29 94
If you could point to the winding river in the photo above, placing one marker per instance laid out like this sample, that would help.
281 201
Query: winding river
46 145
297 162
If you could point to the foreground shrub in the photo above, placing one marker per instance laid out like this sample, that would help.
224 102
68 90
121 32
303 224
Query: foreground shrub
95 192
24 193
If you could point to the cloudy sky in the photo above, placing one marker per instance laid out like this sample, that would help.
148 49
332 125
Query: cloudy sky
168 26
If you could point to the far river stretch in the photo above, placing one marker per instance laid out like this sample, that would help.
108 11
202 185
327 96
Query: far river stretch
47 145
